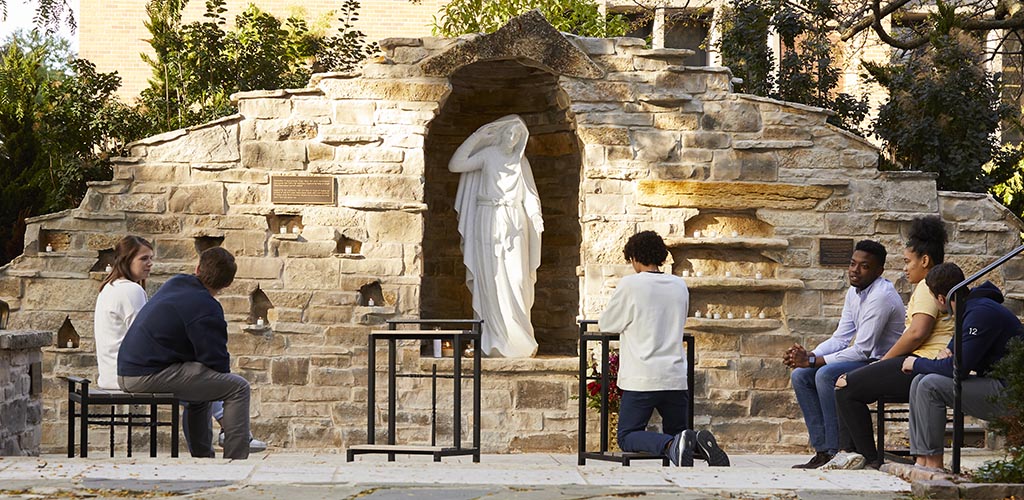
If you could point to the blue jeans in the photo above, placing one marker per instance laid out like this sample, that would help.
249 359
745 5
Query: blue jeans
816 392
635 411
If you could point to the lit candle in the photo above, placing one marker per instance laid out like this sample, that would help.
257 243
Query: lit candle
696 314
284 229
735 234
729 316
370 302
348 248
718 316
696 234
686 273
108 268
728 274
760 315
713 234
70 344
295 229
758 275
746 315
49 247
259 321
700 273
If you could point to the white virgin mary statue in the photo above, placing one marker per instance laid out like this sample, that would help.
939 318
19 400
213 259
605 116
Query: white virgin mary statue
500 223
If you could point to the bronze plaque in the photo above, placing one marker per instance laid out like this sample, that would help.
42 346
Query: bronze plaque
835 252
303 190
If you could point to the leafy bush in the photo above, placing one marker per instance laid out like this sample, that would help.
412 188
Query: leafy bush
580 17
1011 370
942 113
807 71
594 386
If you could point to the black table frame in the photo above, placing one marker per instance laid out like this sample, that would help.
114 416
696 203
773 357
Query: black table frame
392 335
605 338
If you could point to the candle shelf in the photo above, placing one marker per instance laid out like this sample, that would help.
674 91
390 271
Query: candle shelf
741 284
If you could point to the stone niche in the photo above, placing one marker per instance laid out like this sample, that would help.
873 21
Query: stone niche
623 139
481 93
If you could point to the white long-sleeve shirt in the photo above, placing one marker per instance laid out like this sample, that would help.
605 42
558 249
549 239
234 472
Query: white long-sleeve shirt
116 307
873 317
648 310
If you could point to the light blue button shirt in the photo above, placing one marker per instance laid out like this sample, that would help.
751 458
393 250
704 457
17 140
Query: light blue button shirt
873 318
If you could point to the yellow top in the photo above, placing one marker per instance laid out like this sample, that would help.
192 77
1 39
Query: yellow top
923 302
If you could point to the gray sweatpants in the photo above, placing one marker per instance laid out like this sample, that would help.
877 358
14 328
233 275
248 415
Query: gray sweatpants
199 386
931 394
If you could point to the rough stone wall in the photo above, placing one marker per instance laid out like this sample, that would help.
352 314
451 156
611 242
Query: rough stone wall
648 144
21 414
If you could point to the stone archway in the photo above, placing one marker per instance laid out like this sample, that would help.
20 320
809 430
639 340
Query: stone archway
481 92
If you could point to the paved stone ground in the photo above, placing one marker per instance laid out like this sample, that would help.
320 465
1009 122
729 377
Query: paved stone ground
294 476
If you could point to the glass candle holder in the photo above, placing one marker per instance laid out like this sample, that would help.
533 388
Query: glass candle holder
758 276
746 315
696 314
728 274
729 316
718 316
696 234
686 273
49 247
761 315
284 229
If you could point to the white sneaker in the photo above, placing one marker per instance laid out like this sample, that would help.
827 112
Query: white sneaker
845 460
255 445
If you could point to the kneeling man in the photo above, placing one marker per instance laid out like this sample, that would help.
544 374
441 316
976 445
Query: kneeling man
179 344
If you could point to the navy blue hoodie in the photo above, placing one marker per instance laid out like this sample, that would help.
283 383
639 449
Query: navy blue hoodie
988 327
182 322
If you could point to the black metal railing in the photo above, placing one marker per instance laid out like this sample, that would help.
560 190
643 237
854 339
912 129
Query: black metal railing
959 295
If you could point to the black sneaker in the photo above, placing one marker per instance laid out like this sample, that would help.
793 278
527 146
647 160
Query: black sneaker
820 458
680 450
716 457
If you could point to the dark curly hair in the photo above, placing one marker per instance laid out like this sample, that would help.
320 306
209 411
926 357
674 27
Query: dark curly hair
647 248
928 237
874 248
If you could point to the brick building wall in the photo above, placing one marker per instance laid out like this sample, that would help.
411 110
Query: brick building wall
112 35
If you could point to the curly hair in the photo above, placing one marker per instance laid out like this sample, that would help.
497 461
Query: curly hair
928 237
647 248
874 248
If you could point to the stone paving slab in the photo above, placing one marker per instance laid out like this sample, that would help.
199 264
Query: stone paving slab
306 476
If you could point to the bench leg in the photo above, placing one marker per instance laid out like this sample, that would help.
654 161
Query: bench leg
174 429
111 423
84 431
152 430
880 417
71 427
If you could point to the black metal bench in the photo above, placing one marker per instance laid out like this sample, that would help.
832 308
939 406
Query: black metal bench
92 406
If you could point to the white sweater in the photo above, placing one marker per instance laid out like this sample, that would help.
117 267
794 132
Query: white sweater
116 307
649 311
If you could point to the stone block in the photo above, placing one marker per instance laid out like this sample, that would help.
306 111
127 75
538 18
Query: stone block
212 144
774 404
316 151
246 194
374 154
855 224
706 140
246 243
198 199
542 395
802 303
145 203
731 116
935 489
559 442
283 130
609 136
10 287
395 226
175 249
153 224
311 274
259 268
407 89
277 156
904 195
303 248
656 146
396 187
265 108
311 108
290 370
759 344
677 121
58 295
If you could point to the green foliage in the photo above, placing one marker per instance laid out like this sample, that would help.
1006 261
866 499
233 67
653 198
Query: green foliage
59 124
1011 370
744 44
942 113
807 72
1008 470
1008 164
580 17
197 66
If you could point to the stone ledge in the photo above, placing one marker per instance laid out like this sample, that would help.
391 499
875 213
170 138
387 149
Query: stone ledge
559 364
738 242
24 339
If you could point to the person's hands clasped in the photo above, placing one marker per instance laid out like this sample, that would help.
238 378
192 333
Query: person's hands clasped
796 357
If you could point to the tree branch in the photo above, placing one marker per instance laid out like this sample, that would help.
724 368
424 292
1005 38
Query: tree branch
878 14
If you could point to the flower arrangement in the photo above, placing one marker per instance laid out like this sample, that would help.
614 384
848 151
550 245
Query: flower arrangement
594 386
